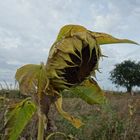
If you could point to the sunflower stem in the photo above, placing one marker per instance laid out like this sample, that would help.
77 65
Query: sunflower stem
41 125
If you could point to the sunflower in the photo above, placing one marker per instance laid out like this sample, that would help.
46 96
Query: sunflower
75 55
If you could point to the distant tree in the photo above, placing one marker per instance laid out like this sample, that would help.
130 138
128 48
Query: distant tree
126 74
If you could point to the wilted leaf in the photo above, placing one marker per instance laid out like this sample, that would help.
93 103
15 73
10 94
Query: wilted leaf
103 38
75 122
32 78
89 91
17 117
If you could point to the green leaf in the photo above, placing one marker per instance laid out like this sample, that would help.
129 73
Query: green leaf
89 91
103 38
17 118
32 78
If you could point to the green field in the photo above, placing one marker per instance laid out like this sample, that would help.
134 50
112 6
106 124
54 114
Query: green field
118 120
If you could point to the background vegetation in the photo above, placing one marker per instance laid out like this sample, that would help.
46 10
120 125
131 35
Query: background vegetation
119 120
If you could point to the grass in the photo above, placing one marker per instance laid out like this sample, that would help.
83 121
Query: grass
118 120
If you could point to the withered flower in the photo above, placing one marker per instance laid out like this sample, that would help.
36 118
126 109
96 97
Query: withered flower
75 55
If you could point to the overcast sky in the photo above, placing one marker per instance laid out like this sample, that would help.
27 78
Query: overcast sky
29 27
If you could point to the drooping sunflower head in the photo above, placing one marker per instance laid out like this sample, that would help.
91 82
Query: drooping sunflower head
75 55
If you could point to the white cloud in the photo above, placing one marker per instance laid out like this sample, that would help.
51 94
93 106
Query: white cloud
29 27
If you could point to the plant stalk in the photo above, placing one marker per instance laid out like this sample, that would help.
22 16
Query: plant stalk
41 123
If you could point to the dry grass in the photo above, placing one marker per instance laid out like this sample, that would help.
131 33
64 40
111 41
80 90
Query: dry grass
118 120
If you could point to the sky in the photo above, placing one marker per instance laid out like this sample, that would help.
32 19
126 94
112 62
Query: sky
28 28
